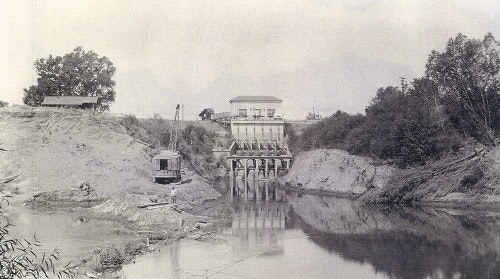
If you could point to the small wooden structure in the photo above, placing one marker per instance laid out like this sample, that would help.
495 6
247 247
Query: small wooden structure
70 101
167 166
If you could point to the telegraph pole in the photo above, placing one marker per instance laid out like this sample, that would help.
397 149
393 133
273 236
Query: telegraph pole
403 84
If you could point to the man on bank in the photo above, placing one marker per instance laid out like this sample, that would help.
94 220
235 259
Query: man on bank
173 195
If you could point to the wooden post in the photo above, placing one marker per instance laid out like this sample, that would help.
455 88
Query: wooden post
231 173
267 191
245 168
231 185
257 197
275 168
255 168
266 168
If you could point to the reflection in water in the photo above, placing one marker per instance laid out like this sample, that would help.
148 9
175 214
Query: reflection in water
405 242
275 234
173 249
259 227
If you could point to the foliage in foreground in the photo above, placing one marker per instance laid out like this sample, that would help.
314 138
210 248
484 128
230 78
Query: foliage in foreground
18 258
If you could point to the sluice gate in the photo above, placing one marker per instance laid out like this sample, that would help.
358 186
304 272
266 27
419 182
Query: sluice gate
259 159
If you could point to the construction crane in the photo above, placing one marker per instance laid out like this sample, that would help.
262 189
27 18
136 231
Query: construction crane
167 164
172 143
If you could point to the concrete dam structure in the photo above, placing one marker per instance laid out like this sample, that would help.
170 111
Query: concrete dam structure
259 150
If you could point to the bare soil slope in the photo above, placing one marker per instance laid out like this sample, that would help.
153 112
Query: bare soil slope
471 178
51 153
336 171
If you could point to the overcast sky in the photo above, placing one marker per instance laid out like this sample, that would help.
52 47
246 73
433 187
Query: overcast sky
327 54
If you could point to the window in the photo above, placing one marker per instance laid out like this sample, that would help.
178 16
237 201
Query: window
270 113
163 164
242 113
257 112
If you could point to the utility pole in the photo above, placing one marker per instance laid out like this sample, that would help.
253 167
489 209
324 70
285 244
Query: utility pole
403 84
182 110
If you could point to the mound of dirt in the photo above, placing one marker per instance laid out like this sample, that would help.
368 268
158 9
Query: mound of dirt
336 171
54 150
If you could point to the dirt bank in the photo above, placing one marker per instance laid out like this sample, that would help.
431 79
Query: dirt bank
51 155
469 178
59 150
336 171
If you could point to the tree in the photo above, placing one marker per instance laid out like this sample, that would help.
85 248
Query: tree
78 73
467 74
3 104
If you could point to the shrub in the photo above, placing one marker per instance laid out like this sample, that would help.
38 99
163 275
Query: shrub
19 260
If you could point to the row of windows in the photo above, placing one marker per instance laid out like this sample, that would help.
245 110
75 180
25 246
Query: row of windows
256 113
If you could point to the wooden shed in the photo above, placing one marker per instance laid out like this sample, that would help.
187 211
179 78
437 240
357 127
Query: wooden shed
70 101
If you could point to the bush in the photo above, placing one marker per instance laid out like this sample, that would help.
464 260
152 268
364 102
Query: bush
470 180
18 260
196 146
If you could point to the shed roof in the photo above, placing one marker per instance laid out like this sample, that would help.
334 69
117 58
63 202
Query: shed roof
68 100
270 99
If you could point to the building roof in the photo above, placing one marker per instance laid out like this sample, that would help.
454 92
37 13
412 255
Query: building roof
68 100
267 99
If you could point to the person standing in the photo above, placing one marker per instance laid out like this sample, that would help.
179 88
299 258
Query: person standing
173 195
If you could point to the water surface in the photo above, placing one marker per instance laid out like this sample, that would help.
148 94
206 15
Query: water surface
275 234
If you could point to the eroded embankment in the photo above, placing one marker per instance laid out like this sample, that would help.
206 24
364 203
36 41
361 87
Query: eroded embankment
471 178
52 156
336 171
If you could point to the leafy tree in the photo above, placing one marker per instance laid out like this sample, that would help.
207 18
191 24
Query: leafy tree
467 74
33 96
78 73
385 116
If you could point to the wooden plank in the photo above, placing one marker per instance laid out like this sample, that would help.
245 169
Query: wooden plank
152 204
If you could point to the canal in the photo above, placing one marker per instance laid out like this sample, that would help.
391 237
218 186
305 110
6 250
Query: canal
279 234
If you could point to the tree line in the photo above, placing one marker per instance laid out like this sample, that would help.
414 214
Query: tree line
458 98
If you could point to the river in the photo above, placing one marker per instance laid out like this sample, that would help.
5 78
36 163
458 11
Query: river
275 234
279 234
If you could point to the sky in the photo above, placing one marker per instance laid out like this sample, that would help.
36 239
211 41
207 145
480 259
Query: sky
324 54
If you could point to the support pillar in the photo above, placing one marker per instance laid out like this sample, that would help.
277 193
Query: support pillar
266 168
231 173
231 184
255 168
267 191
257 196
245 168
275 168
245 187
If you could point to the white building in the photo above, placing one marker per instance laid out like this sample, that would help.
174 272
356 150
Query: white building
257 118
